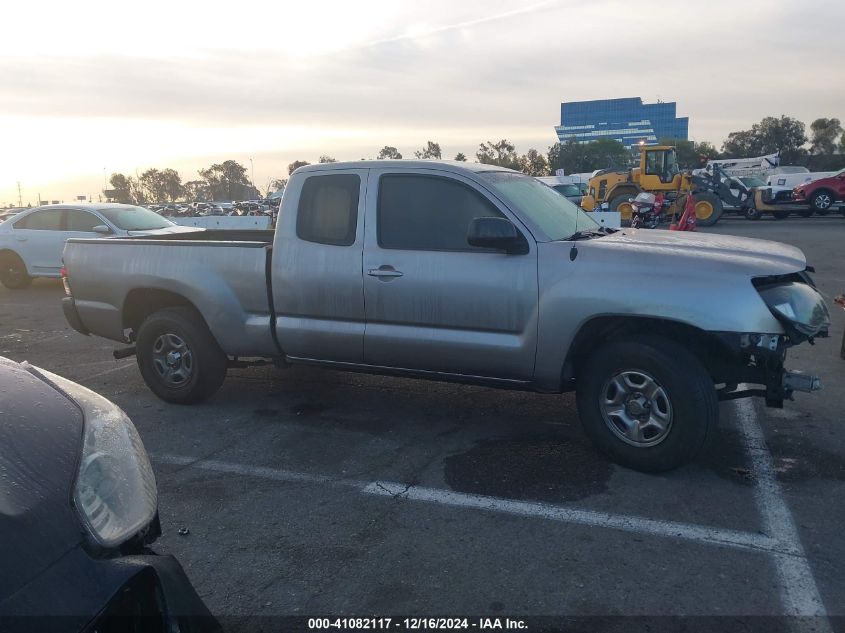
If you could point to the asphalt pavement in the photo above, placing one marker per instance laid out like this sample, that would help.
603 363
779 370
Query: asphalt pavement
319 493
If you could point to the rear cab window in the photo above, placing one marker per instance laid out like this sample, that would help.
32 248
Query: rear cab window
328 209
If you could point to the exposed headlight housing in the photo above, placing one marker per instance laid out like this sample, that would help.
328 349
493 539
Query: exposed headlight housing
115 490
799 307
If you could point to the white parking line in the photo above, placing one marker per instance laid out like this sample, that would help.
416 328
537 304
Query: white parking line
544 511
799 593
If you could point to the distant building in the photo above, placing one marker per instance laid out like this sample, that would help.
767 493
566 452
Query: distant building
628 121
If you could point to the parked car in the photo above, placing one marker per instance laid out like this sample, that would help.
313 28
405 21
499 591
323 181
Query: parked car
5 215
822 194
471 273
31 244
570 190
79 512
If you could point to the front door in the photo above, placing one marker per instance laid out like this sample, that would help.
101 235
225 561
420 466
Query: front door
433 302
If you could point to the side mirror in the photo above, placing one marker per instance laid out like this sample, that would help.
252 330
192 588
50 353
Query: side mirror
497 233
102 229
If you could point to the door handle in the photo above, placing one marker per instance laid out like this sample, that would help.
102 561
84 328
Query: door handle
385 272
21 238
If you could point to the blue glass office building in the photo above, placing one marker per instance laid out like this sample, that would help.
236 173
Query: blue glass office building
628 121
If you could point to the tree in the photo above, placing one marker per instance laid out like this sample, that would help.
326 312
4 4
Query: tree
461 157
278 183
389 152
691 155
326 159
742 144
785 135
578 158
825 133
227 181
502 154
431 150
534 163
120 188
172 184
137 191
196 190
152 184
296 165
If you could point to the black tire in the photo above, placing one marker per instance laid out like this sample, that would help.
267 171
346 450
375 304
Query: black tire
805 213
822 201
689 390
780 214
715 201
13 273
198 366
623 199
751 213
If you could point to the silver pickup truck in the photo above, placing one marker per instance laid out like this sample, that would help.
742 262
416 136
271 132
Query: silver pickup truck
464 272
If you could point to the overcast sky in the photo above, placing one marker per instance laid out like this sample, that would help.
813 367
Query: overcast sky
88 88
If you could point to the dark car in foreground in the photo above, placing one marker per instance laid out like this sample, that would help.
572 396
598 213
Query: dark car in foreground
78 511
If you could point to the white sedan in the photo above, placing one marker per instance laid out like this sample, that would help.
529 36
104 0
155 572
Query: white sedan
32 242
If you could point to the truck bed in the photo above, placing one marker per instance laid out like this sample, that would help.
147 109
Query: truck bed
223 274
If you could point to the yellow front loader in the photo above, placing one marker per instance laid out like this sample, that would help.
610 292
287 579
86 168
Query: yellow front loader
657 173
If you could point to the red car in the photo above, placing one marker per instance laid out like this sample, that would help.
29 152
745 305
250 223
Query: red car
822 194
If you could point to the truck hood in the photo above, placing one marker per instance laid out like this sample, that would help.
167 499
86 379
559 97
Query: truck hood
717 252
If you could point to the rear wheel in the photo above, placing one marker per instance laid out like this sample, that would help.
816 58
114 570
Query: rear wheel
13 273
647 403
708 208
178 356
805 213
780 214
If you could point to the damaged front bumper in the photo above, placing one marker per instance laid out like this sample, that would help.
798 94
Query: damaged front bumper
143 592
758 359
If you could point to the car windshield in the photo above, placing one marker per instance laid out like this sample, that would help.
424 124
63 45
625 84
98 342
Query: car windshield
567 190
135 218
540 205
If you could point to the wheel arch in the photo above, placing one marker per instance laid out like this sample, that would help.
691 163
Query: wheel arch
711 349
142 302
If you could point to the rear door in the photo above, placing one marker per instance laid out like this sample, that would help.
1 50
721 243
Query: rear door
433 302
39 240
316 268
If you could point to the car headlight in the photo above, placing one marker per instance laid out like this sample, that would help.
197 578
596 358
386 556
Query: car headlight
799 307
115 490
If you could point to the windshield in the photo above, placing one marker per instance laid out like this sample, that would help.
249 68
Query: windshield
752 182
135 218
567 190
540 205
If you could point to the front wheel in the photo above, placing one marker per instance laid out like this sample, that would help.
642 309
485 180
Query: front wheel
780 214
708 208
178 356
647 403
821 201
805 213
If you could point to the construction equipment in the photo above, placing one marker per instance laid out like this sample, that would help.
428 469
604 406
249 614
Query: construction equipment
658 172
